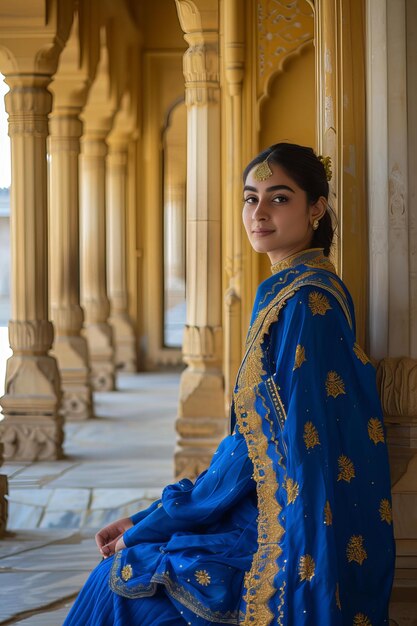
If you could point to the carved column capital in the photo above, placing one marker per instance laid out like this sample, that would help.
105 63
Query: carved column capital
201 71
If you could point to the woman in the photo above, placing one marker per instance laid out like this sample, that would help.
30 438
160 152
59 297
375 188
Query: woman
291 524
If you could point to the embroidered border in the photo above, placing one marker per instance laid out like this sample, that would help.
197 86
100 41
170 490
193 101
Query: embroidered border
177 591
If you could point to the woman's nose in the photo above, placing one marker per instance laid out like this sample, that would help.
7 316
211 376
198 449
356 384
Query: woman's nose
260 211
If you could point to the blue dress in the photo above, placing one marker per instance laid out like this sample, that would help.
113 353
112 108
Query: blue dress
291 524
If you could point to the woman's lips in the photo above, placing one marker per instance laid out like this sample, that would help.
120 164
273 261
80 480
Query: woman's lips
262 233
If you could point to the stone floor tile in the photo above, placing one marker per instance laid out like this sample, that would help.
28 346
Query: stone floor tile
55 557
62 519
37 497
40 589
24 540
12 469
69 499
112 498
23 516
47 618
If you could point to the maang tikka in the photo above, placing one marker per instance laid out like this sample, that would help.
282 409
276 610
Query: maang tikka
263 171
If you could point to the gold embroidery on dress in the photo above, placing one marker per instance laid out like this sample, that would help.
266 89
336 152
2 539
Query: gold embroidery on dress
334 384
127 572
385 511
337 597
292 489
306 567
328 515
300 356
346 468
375 430
259 581
361 620
360 353
281 603
311 256
318 303
355 550
311 436
322 263
202 577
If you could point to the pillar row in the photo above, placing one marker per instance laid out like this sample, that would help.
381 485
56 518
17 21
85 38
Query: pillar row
70 348
94 298
32 427
123 334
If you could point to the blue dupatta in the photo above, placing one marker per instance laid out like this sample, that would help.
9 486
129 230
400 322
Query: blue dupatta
291 524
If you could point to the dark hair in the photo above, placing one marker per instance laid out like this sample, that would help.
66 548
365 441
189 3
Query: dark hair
306 169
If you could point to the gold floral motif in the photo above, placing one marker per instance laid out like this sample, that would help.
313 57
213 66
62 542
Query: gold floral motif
328 515
346 468
300 356
202 577
306 567
318 303
360 353
292 489
334 384
375 430
361 620
355 550
311 436
281 603
385 511
127 572
337 597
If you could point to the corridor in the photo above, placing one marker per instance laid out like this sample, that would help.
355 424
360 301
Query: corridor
114 465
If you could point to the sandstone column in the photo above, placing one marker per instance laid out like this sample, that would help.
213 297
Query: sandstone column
32 428
236 240
70 89
201 421
341 133
123 333
97 119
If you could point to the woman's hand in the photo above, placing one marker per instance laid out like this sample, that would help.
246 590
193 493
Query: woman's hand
110 538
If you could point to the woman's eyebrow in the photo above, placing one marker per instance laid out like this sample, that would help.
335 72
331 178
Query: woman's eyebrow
274 188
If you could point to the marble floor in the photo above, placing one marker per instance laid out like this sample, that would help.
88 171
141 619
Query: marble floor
114 465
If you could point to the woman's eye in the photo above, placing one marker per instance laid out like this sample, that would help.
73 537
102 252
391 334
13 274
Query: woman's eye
279 199
250 199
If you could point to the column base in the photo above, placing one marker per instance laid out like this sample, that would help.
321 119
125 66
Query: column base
201 423
124 343
32 428
31 438
100 344
71 352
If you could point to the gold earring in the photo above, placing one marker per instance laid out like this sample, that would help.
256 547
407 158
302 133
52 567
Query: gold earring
315 224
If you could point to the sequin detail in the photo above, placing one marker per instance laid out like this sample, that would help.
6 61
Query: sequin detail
346 468
318 303
361 620
311 436
328 515
376 431
355 550
334 384
292 489
127 572
306 567
385 511
203 577
300 356
360 353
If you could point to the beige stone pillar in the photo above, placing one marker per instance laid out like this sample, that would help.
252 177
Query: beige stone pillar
201 421
123 332
235 238
29 52
340 64
97 120
76 69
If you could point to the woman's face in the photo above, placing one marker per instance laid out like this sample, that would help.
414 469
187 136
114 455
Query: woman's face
277 217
